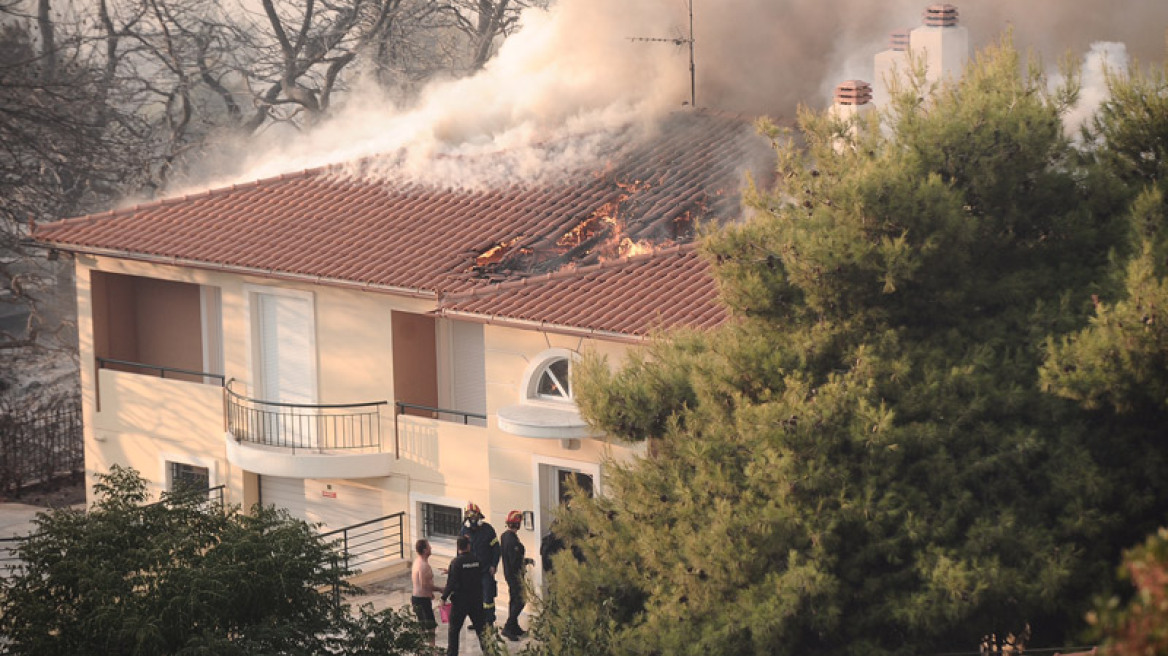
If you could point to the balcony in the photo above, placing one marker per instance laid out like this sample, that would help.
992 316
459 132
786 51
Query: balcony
136 398
305 440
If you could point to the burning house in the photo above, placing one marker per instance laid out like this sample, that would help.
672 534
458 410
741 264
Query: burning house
355 347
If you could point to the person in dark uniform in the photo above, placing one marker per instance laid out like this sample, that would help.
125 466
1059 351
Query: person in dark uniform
514 561
484 544
464 587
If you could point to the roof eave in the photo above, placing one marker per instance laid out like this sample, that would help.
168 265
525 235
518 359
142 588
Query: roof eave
239 270
542 326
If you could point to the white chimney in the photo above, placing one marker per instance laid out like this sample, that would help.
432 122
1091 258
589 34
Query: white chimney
890 64
852 98
942 42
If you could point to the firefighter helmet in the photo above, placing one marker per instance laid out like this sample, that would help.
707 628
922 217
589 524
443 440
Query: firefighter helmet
514 518
472 510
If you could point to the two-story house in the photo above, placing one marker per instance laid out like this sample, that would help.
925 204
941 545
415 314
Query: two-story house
348 346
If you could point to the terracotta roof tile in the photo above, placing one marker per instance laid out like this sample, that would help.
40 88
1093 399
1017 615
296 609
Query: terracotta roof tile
631 296
410 236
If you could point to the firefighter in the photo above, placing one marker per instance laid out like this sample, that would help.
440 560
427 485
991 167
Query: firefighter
484 544
514 563
463 585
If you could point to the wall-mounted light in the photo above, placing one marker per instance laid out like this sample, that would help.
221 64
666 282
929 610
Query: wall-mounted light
529 520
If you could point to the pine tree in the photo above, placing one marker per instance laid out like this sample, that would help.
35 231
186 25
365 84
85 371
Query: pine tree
864 461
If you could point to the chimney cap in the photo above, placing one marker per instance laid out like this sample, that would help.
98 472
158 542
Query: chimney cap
940 15
898 39
853 92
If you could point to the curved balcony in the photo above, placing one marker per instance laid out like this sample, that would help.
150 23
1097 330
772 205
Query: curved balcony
300 440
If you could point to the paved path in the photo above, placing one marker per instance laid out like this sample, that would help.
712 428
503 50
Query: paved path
16 519
394 592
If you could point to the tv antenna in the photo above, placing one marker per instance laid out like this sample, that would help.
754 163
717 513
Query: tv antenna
681 41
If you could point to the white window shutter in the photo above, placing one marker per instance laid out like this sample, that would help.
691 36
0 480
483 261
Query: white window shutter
468 367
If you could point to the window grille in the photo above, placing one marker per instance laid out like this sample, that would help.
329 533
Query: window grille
189 477
443 522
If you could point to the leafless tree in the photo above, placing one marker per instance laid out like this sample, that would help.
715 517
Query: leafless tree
61 153
101 100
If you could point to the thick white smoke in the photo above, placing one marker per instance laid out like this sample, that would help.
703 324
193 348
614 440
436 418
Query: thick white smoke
573 70
569 71
1103 57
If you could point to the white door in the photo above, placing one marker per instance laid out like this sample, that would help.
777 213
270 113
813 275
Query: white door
333 504
287 367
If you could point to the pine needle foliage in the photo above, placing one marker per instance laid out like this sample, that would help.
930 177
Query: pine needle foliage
865 460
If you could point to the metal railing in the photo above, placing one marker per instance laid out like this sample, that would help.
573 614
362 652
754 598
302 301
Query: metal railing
40 446
135 367
10 563
375 541
213 497
314 427
176 373
436 413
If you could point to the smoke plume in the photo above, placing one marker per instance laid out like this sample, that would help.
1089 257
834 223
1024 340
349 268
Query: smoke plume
575 70
1103 57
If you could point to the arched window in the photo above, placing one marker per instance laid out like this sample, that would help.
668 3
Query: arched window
545 408
553 380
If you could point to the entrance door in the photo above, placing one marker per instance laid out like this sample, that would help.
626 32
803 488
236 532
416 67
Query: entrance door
555 490
286 366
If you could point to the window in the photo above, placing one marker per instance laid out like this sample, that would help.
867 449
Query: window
546 407
553 381
184 477
440 522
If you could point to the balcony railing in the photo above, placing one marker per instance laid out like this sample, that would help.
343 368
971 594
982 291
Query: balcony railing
460 416
312 427
160 371
174 373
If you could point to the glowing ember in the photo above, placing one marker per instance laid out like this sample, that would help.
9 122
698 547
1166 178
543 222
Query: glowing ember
495 253
628 247
598 222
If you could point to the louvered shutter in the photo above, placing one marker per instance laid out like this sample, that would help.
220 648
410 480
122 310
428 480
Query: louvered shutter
469 368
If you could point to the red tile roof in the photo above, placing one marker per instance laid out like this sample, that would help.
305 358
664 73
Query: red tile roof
629 296
326 224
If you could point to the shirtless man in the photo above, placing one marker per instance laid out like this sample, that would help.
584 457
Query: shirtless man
423 598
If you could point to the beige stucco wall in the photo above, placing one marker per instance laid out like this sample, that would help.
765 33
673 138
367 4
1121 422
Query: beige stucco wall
144 420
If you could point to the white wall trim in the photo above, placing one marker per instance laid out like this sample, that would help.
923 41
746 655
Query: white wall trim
210 463
444 343
593 469
211 313
438 547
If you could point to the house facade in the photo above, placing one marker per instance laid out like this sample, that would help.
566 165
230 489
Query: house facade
348 348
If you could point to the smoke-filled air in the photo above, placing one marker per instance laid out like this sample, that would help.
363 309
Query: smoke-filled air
582 67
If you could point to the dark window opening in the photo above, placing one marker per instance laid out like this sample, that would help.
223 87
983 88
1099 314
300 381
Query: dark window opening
443 522
582 480
189 478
